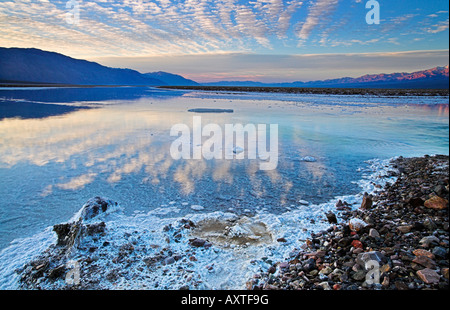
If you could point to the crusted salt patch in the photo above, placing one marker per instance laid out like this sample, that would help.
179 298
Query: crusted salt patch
197 207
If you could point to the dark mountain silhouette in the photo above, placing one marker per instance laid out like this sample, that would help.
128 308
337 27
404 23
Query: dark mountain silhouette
34 65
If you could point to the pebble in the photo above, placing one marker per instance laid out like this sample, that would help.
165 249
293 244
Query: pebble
405 229
373 233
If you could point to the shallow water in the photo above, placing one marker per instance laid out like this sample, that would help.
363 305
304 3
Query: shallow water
60 147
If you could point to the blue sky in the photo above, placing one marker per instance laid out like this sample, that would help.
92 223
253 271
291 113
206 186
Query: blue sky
266 40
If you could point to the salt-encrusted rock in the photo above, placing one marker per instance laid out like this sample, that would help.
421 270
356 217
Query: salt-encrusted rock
94 207
309 159
325 285
68 233
197 207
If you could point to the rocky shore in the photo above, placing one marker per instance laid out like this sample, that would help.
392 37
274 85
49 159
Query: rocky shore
397 239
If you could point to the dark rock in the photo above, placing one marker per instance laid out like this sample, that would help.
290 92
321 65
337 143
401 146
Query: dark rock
359 275
57 272
429 224
68 233
309 265
272 269
400 285
126 249
440 252
367 202
95 229
197 242
416 202
331 218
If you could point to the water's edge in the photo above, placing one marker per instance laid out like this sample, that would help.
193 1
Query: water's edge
162 254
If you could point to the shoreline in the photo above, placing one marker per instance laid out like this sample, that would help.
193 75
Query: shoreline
382 92
397 240
178 253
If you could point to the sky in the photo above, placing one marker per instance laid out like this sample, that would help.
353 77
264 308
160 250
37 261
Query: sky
259 40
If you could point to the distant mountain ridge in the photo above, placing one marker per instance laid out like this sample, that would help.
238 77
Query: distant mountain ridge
171 79
437 72
30 65
437 77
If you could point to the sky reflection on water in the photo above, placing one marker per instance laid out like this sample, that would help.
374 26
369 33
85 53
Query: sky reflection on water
119 148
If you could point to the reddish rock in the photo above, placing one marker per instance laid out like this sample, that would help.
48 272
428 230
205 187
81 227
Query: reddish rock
336 287
436 203
424 261
422 252
428 276
357 244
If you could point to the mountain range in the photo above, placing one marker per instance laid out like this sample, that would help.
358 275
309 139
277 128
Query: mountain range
437 78
30 65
